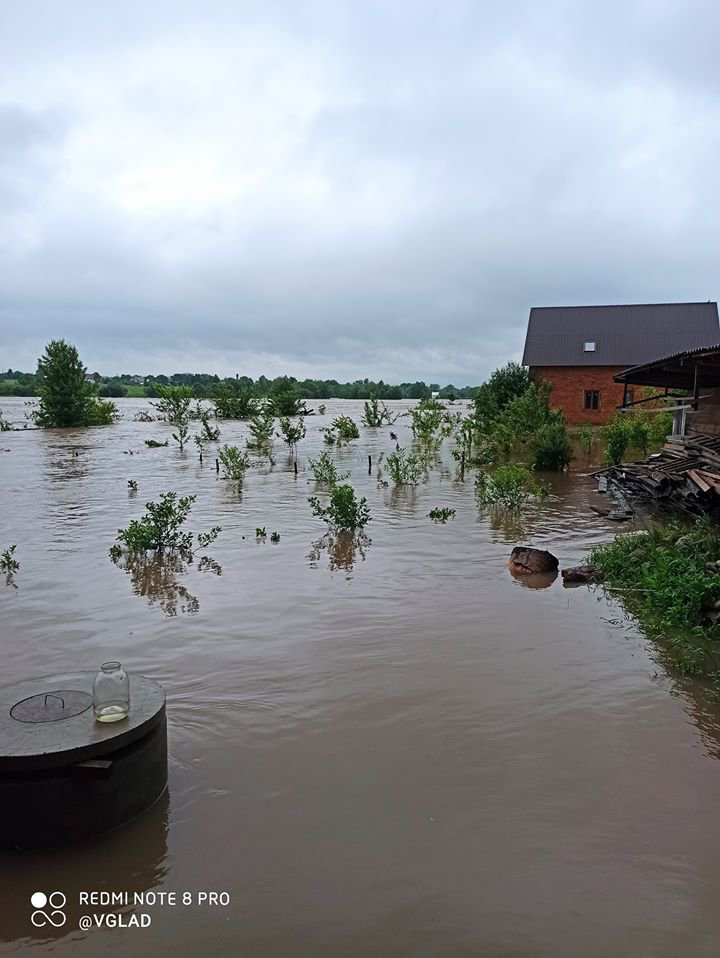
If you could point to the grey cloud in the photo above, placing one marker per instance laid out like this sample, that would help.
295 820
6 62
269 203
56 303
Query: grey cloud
379 189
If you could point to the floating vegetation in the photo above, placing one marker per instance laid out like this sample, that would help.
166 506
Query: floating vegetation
261 534
155 444
322 409
132 485
441 514
142 415
274 537
4 424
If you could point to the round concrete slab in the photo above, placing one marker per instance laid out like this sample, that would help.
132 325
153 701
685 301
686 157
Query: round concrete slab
67 736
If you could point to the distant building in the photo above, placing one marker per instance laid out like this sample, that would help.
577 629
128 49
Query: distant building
580 349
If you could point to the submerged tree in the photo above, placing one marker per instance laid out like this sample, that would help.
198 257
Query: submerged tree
67 398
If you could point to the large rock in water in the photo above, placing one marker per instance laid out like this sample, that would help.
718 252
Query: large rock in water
582 573
526 561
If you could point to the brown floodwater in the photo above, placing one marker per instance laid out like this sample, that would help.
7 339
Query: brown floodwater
395 749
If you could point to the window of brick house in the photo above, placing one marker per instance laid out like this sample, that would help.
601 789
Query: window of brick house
591 399
589 346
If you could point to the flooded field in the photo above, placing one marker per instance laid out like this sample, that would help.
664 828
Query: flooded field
403 752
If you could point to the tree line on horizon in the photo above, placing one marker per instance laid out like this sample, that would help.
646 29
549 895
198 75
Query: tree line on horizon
204 386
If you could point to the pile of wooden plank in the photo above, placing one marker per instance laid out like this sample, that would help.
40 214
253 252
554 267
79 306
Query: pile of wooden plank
684 475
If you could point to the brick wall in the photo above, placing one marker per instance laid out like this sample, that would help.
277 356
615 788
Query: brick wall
568 388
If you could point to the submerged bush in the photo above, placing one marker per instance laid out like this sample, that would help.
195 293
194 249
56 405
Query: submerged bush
160 529
509 487
173 403
552 447
325 471
403 467
429 421
292 433
233 400
344 511
142 415
284 398
617 439
586 437
235 464
261 429
4 424
441 514
341 430
376 414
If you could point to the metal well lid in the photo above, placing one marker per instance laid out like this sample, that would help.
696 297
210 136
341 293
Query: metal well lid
51 706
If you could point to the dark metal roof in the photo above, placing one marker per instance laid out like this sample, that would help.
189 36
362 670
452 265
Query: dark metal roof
677 371
624 335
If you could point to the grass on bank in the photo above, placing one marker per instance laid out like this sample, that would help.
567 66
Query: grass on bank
668 578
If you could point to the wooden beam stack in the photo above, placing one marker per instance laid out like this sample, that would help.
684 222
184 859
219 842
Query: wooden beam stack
684 475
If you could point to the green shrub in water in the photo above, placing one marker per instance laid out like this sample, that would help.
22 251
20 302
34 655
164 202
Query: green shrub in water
160 529
325 471
509 487
403 467
344 511
552 447
234 463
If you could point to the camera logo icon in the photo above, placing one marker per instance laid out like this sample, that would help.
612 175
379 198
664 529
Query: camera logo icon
54 903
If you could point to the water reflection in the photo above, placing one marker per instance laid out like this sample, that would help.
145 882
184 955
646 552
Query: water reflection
536 580
342 548
132 859
157 577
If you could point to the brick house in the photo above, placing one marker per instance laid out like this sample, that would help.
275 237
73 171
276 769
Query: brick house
579 349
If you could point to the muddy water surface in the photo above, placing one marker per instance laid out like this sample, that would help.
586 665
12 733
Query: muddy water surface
400 752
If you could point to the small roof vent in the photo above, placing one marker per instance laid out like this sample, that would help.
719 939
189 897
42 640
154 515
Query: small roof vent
589 346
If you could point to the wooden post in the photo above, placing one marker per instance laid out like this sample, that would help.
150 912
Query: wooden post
295 468
696 388
369 465
217 466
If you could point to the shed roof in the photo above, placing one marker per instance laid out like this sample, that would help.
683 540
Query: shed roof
677 371
623 335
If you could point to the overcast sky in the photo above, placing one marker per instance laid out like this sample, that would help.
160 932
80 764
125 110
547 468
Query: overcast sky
347 189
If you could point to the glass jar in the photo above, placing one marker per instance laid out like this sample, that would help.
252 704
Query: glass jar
111 693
